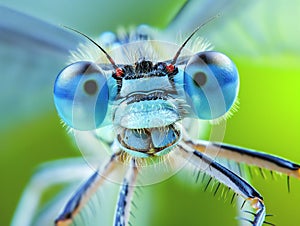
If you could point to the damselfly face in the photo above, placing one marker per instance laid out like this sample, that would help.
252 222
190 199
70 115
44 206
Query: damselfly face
130 136
146 100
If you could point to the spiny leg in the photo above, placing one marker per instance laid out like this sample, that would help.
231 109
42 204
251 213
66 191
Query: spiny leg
83 194
48 174
125 196
228 178
249 157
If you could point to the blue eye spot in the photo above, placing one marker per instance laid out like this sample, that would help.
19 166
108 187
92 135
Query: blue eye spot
90 87
199 78
211 83
81 95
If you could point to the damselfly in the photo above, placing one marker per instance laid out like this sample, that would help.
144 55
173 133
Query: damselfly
140 135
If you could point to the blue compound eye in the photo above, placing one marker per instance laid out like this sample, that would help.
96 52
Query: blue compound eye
81 95
211 83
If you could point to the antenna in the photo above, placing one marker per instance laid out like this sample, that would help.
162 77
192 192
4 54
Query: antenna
106 54
190 36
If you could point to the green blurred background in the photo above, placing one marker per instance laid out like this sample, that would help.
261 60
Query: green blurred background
263 41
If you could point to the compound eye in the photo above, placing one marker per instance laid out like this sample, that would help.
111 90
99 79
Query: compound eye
211 83
81 95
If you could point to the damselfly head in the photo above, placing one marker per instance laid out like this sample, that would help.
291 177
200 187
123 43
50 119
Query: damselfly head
147 86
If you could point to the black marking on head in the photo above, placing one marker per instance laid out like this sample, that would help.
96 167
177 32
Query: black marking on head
119 79
160 66
144 69
153 96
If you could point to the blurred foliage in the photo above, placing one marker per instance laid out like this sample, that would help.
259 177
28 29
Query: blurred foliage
268 118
